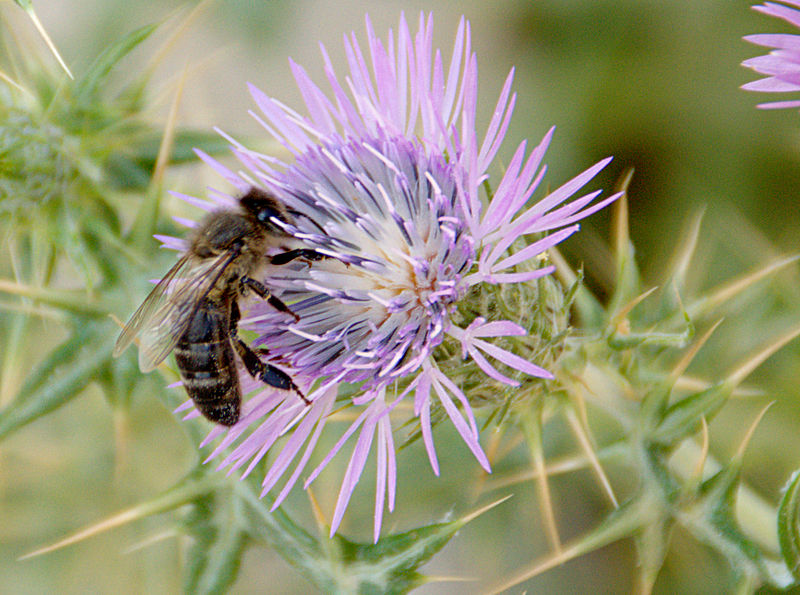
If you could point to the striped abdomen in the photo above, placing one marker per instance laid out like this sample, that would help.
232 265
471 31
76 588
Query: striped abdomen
207 363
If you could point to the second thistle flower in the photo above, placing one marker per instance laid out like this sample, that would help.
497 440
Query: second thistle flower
385 176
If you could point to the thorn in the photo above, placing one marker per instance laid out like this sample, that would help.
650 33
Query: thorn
547 564
693 384
533 432
158 56
165 148
621 216
582 434
684 257
117 520
564 465
152 540
28 8
733 288
680 368
625 310
701 461
117 321
449 579
475 514
751 430
15 84
319 516
744 370
563 271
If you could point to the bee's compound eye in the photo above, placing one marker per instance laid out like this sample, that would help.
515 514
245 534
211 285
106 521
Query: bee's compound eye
265 214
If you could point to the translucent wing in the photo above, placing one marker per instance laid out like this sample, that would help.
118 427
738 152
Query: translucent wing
166 313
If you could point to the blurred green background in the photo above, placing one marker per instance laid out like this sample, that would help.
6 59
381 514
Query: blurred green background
655 84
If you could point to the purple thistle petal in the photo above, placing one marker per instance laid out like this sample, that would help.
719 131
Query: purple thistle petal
783 12
512 277
468 432
535 249
330 399
171 243
349 432
205 205
770 85
784 41
498 125
779 104
229 176
782 65
319 106
511 360
380 479
490 370
357 462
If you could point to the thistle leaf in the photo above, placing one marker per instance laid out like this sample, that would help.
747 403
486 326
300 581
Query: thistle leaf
62 375
789 524
713 520
682 419
217 527
339 565
88 86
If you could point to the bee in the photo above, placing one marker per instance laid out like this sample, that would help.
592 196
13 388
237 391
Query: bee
194 309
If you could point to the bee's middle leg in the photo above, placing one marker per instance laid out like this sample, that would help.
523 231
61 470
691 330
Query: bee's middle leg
261 291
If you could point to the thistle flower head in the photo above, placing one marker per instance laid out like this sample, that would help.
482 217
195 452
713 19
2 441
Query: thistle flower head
385 181
782 65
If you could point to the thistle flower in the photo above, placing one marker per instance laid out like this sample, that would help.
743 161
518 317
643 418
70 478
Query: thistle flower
385 178
782 65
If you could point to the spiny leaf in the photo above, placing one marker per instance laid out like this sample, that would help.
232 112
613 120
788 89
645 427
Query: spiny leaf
682 419
789 524
62 375
390 566
89 84
219 533
339 565
70 301
187 490
590 311
130 167
712 519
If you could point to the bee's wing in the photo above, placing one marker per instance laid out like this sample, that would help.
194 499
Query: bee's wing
166 313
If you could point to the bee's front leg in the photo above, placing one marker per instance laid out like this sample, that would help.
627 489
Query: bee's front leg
304 253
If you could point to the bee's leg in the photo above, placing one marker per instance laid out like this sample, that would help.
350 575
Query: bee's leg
264 372
261 291
259 370
306 253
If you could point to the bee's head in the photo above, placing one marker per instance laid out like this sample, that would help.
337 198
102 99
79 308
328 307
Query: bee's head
265 209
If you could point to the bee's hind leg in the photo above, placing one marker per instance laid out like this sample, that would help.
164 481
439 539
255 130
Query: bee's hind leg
266 373
261 291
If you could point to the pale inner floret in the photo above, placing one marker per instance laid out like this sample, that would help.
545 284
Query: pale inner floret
396 255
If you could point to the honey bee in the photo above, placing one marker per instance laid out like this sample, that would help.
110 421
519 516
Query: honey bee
194 309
